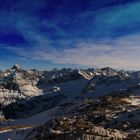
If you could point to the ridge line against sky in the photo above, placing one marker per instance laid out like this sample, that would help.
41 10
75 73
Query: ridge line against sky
69 33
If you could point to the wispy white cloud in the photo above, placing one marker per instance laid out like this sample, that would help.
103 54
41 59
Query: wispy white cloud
118 53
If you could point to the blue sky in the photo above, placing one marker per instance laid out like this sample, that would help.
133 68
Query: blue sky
70 33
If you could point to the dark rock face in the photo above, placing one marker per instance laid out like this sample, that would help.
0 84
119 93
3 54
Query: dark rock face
26 108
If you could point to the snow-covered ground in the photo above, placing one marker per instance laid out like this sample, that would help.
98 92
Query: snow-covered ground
17 129
15 133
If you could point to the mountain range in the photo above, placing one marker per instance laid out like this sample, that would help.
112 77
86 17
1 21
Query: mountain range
78 104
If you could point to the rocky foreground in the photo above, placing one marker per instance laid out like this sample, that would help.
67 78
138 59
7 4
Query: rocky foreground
67 104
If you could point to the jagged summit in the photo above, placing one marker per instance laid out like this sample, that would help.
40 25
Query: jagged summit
16 67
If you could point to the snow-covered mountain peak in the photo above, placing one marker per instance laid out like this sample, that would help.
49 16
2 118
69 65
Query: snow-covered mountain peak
16 67
96 100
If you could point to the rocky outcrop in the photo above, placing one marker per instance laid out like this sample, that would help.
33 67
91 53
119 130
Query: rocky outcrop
75 128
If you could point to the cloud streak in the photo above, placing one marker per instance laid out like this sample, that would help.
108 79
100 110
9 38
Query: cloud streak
119 53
